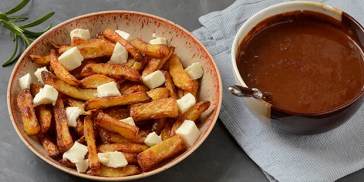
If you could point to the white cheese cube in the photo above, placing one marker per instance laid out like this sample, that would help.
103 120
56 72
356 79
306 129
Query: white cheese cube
82 33
195 71
154 79
82 166
129 121
47 95
120 54
123 34
108 89
112 159
189 132
71 59
158 40
72 114
186 102
152 139
76 153
25 81
38 73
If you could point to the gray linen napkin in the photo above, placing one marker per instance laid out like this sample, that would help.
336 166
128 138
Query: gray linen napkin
323 157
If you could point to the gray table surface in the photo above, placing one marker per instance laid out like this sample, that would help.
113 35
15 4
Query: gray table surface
219 158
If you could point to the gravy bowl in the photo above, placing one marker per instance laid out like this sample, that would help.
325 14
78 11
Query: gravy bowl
308 56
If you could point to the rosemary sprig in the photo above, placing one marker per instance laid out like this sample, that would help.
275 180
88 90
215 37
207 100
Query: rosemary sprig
20 32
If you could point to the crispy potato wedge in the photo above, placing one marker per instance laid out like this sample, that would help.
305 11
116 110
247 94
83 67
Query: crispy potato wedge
123 147
117 112
162 108
166 131
153 50
107 122
116 71
135 88
158 125
77 103
108 137
113 36
93 81
180 77
93 160
50 147
27 111
131 157
35 88
194 113
44 117
65 88
77 71
134 64
152 65
60 71
170 85
64 138
158 93
194 92
92 48
160 152
104 102
115 172
164 60
42 60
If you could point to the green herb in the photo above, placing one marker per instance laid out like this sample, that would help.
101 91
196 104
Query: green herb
20 32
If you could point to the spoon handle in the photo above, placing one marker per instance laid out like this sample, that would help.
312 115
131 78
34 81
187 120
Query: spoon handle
248 92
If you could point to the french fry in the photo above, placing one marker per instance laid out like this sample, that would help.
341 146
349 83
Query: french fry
50 148
89 49
64 138
104 102
93 160
158 93
117 112
158 125
79 129
123 147
67 163
128 131
77 103
176 125
153 50
135 88
170 85
131 157
108 137
82 140
160 152
180 93
152 65
158 109
35 88
194 113
65 88
42 60
93 81
136 65
113 36
44 117
166 131
115 172
77 71
195 88
61 72
180 77
27 111
116 71
164 60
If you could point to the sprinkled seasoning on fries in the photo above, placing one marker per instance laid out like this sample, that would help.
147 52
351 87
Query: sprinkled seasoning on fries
112 106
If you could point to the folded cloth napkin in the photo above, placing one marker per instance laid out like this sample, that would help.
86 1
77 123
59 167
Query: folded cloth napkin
323 157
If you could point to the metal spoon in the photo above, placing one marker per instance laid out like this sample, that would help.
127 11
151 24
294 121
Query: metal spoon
249 92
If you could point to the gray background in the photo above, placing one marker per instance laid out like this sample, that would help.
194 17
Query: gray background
219 158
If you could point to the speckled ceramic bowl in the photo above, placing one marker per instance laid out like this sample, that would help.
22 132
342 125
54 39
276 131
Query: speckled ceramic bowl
188 48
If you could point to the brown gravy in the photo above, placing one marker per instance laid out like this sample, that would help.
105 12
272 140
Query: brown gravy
308 62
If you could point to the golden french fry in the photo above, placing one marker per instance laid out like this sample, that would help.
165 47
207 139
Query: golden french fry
176 125
128 131
42 60
158 125
45 117
89 49
27 111
158 93
117 112
170 85
35 88
111 137
93 81
166 131
93 160
180 77
65 88
154 50
135 88
123 147
194 113
152 65
160 152
134 64
104 102
113 36
162 108
61 72
131 157
194 90
115 172
77 71
77 103
164 60
180 93
116 71
50 148
67 163
64 138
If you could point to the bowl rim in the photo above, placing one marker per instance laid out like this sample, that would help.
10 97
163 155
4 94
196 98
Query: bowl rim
165 166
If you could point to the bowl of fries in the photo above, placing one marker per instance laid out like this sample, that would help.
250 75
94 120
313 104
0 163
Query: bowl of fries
114 95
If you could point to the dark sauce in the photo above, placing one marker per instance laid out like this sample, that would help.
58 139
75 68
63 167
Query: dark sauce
310 63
